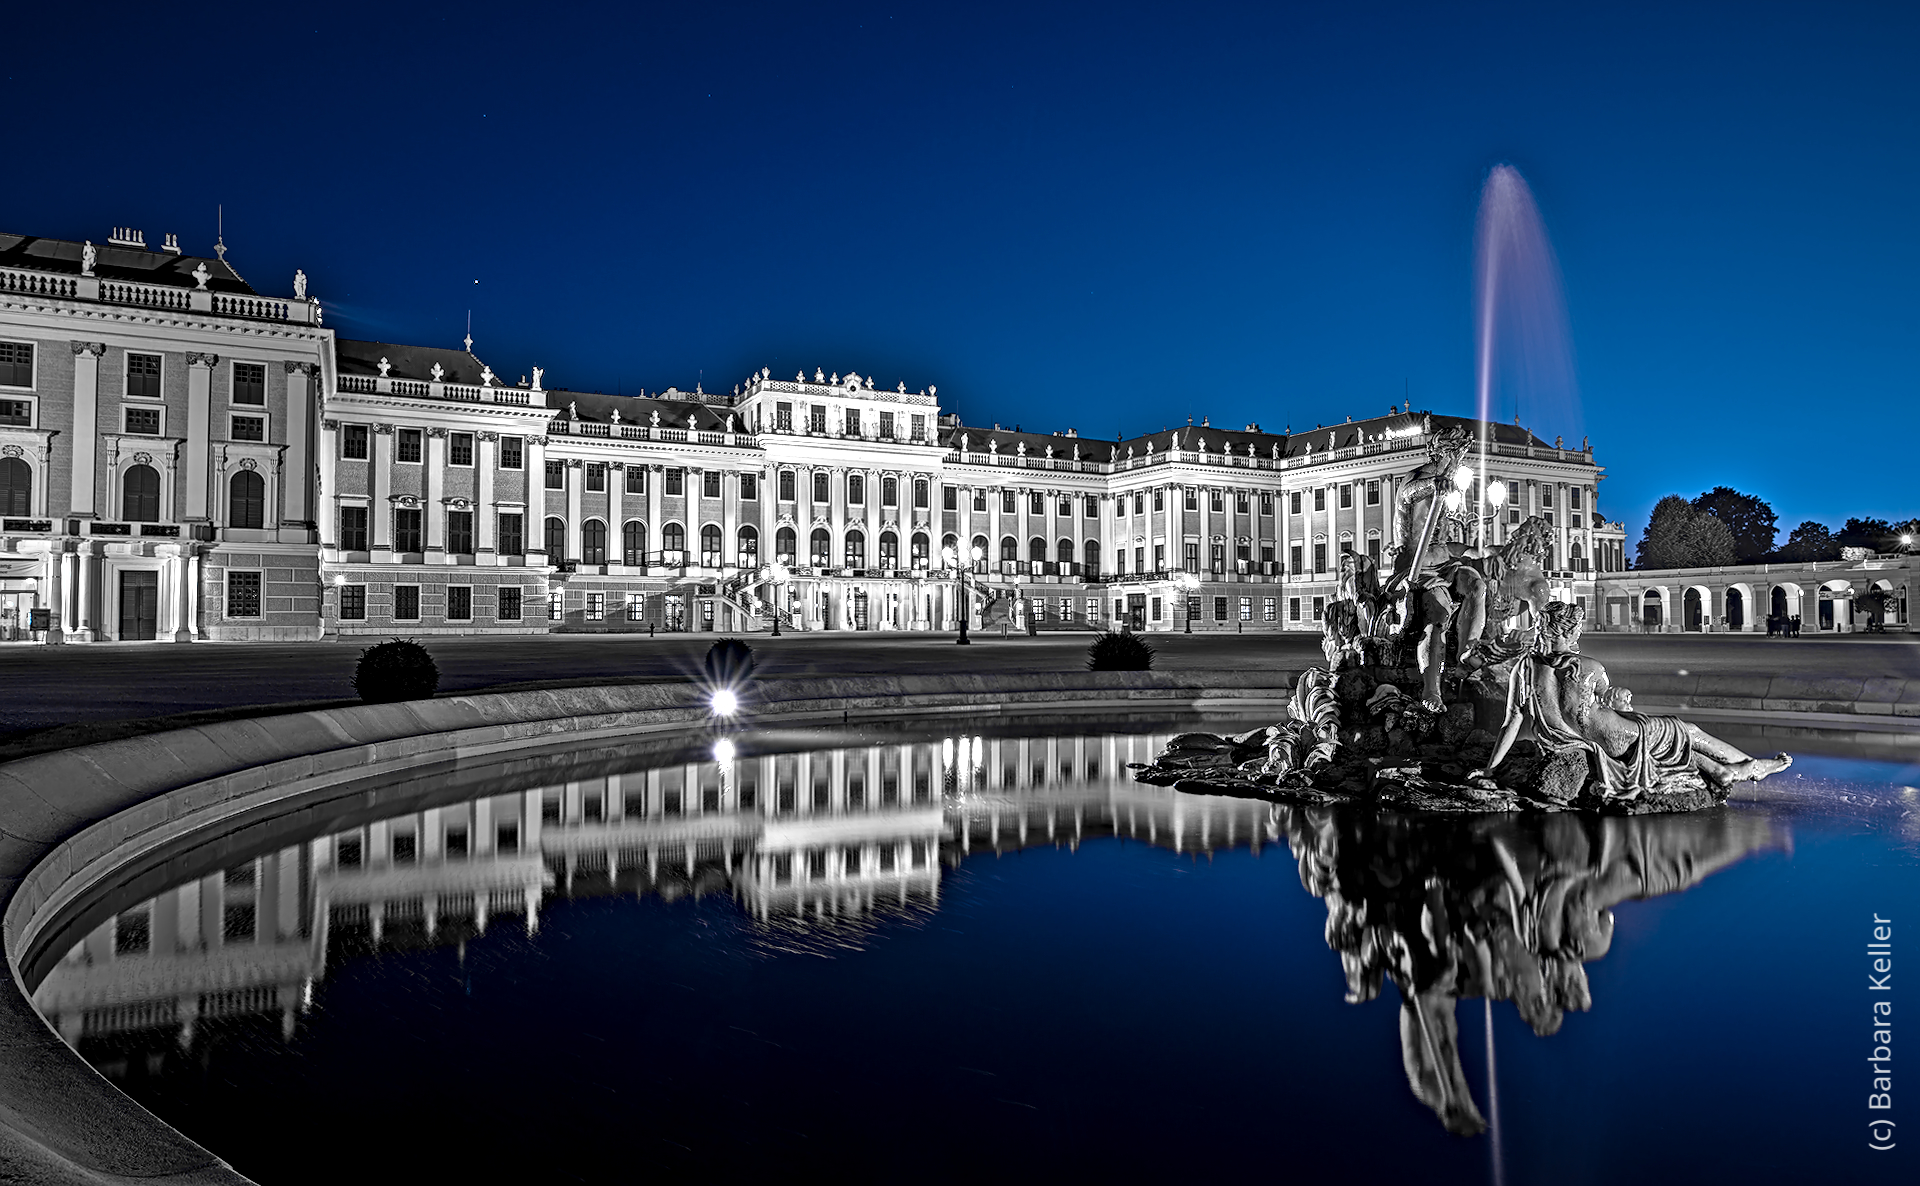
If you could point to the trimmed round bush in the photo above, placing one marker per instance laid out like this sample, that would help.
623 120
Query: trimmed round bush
399 669
729 663
1119 652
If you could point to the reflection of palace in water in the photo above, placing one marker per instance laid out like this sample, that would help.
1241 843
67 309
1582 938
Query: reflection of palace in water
799 839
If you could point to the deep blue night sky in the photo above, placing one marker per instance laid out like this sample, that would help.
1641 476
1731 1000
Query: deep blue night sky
1103 217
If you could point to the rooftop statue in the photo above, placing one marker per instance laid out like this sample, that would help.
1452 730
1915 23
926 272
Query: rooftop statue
537 372
1455 684
729 421
486 376
654 418
615 419
438 372
89 255
573 409
201 275
384 366
299 285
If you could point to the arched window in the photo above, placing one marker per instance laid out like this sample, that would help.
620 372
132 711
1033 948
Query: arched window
749 547
633 542
889 550
785 546
593 542
1009 548
819 545
1063 551
950 543
921 546
710 546
1091 556
140 494
673 541
979 545
556 540
247 500
856 549
16 487
1036 549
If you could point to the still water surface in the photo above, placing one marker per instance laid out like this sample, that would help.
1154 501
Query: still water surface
896 955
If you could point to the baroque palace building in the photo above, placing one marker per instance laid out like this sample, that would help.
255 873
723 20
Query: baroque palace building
184 458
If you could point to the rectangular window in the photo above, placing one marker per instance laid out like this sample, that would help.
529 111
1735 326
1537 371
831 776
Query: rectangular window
597 477
1193 499
856 489
459 603
406 530
512 535
1159 500
1319 498
353 442
636 479
1192 557
250 383
1319 608
889 491
460 532
1266 502
1156 609
1193 608
1319 560
786 485
243 594
508 609
886 426
16 412
1373 548
1513 494
1293 609
1373 492
353 529
1293 502
949 498
1546 498
406 603
749 487
1036 503
512 453
1573 498
817 418
143 421
1139 504
459 448
853 422
143 376
919 427
1093 506
636 607
1215 502
1270 609
247 428
556 476
1293 559
407 445
353 603
16 364
1346 547
1346 496
980 500
1246 609
1219 557
820 493
1007 504
783 416
710 484
596 607
1160 557
1240 503
556 607
676 481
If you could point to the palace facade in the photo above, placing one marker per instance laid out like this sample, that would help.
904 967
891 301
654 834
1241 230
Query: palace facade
184 458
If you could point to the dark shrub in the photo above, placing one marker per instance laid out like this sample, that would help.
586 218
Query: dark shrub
1119 652
729 663
398 669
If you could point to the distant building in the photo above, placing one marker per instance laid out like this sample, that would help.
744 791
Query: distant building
250 476
1828 596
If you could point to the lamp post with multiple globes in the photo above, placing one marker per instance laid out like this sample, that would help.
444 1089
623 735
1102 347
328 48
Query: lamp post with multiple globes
1189 582
966 604
778 575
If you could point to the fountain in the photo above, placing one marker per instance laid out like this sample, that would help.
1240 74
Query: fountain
1436 668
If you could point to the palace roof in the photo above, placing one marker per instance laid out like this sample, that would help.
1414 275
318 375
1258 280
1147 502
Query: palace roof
136 265
407 362
597 407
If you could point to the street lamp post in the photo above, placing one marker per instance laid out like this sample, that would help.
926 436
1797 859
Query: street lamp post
1496 495
1190 582
966 605
777 576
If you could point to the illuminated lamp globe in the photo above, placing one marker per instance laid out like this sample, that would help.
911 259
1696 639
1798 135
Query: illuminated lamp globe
1454 500
1497 493
1462 478
725 702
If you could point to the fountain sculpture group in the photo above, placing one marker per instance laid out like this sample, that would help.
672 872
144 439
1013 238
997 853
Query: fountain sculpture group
1436 671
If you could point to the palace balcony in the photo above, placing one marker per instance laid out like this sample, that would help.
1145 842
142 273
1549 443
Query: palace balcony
164 297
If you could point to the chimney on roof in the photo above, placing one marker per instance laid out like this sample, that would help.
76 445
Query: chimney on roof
126 236
172 244
1073 432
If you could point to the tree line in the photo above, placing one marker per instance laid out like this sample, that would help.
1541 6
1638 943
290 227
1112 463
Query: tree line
1724 526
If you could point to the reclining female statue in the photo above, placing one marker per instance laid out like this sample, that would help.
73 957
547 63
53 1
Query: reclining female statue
1568 700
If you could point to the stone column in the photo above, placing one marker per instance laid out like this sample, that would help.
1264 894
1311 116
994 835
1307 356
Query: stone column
380 509
179 604
199 432
297 501
616 534
435 495
69 604
729 516
1205 503
86 428
327 505
486 541
654 522
769 516
534 529
576 483
837 516
89 566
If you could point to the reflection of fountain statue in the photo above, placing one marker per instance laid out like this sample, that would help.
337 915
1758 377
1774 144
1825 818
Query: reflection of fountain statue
1425 668
1508 909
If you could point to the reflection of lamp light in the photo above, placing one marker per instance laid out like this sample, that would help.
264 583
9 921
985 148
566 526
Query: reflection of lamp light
1462 478
1497 494
1454 500
723 751
725 702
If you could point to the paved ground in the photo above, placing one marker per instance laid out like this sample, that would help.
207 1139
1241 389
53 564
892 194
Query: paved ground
49 686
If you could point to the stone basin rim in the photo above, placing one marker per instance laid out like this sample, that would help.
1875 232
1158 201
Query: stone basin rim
69 819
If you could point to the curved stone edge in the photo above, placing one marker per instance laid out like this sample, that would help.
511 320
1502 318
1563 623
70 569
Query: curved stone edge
69 818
